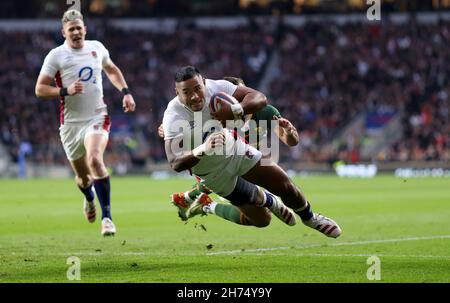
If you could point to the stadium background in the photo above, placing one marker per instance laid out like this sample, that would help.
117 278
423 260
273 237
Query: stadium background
359 92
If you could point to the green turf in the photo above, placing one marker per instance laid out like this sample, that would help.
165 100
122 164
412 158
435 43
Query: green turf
41 225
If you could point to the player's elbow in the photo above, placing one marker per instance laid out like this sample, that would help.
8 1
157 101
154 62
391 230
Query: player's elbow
38 92
265 101
176 165
262 100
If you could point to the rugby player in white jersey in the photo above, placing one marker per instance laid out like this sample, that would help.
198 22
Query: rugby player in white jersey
190 204
76 66
230 168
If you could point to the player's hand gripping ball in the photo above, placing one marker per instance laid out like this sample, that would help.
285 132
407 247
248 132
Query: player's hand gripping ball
220 106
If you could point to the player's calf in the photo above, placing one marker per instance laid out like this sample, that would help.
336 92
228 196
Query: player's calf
89 209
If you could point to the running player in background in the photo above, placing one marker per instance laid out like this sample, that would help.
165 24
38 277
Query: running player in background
285 131
76 66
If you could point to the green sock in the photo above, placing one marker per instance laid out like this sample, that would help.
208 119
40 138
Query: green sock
193 193
228 212
197 189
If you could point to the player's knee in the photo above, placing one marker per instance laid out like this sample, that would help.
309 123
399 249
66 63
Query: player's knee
263 224
264 221
95 161
290 190
291 195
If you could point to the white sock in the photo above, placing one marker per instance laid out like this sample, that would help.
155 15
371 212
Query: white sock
263 203
211 208
187 198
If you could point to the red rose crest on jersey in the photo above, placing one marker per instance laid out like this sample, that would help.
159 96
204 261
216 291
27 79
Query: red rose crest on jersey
94 54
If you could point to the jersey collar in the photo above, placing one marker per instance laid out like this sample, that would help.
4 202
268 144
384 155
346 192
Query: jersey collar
77 51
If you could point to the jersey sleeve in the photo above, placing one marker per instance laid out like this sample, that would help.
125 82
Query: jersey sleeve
266 113
171 130
273 111
225 86
50 65
105 53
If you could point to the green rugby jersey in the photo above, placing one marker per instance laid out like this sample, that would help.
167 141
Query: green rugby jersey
263 119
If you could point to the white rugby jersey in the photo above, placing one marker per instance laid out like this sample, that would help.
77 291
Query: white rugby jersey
66 65
177 113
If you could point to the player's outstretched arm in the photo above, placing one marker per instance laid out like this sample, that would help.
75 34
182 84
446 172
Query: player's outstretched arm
286 131
180 159
117 79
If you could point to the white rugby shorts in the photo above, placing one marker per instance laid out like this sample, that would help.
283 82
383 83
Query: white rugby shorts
224 181
74 134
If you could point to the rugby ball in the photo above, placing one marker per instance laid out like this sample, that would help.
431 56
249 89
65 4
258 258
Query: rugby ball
221 99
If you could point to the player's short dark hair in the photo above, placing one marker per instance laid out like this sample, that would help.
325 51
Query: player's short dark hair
186 73
234 80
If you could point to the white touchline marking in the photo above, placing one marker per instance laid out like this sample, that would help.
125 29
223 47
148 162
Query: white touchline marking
351 255
257 251
94 254
101 254
328 245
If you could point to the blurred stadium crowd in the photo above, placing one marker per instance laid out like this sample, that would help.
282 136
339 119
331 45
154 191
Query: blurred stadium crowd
181 8
327 74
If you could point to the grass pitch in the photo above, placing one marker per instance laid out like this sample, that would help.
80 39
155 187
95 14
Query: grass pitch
405 223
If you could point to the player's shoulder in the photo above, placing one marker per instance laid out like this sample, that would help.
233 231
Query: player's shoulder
272 109
91 43
172 107
57 52
217 83
173 114
266 113
216 86
94 44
